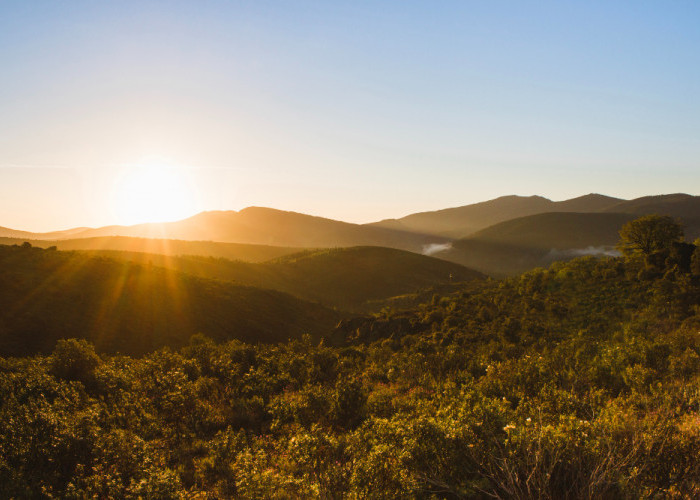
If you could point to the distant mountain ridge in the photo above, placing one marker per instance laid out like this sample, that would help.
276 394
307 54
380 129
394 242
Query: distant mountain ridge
459 222
425 232
262 226
680 205
6 232
519 244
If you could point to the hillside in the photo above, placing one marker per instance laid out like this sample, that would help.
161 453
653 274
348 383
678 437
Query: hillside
119 306
579 381
271 227
267 226
469 218
233 251
6 232
523 243
683 206
587 203
344 278
497 259
459 222
556 230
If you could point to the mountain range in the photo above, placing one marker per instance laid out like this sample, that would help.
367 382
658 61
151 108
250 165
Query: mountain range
502 236
258 226
261 274
464 221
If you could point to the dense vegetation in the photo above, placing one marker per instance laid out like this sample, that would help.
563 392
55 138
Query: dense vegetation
577 381
124 307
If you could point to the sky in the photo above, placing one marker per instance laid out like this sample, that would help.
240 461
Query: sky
357 110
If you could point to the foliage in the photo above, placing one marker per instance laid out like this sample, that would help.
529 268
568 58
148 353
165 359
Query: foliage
649 234
577 381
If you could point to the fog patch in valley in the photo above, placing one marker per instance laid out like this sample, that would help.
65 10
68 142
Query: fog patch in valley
433 248
601 251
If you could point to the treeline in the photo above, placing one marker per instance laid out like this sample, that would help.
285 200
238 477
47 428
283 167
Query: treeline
577 381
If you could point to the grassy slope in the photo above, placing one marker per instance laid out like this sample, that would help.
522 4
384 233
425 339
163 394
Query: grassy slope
122 306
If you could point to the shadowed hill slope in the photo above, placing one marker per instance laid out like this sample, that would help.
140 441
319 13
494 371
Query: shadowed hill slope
514 246
344 278
120 306
495 259
520 244
556 230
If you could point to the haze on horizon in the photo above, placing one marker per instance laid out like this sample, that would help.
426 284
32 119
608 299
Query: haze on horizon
132 111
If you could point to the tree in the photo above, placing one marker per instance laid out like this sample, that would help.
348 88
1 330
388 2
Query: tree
74 359
649 234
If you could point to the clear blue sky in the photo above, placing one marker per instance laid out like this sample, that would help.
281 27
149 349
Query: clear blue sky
353 110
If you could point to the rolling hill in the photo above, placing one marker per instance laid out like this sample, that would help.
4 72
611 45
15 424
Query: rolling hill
6 232
265 226
461 221
555 230
683 206
233 251
495 237
516 245
125 307
345 278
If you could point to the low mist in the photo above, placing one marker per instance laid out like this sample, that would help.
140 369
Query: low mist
434 248
606 251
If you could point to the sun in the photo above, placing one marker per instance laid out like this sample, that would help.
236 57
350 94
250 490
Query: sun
153 191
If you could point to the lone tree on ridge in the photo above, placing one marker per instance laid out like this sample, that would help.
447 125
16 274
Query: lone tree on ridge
649 234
